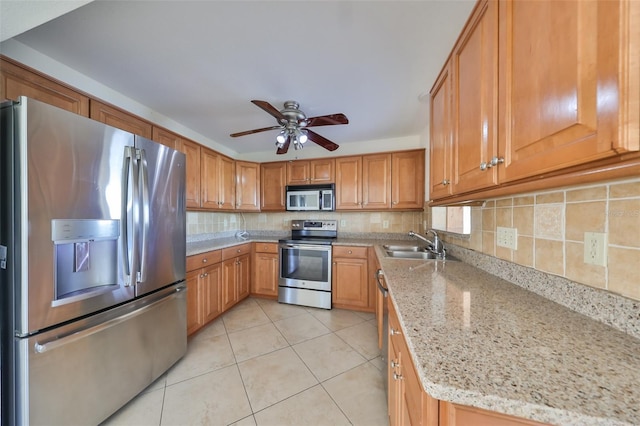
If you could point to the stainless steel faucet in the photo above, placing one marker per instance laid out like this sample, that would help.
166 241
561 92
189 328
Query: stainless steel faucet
437 246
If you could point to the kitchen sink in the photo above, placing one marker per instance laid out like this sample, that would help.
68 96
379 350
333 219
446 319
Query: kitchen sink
412 254
406 248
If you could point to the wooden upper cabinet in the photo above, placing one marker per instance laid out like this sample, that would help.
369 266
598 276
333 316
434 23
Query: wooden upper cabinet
566 84
349 183
16 81
273 178
166 138
322 170
120 119
474 69
376 181
247 186
192 151
407 180
217 180
311 172
441 135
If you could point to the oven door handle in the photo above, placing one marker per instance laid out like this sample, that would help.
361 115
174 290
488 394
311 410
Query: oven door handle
306 247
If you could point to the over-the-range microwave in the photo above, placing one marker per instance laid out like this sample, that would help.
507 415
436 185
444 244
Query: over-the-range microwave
311 197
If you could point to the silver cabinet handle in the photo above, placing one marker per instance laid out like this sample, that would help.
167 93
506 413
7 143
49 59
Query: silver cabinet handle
204 260
397 376
445 182
395 364
497 160
484 166
382 288
394 332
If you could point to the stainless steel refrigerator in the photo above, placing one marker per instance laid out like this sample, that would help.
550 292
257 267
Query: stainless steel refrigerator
92 261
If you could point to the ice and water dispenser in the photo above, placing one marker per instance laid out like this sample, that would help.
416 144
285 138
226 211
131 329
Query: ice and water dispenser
85 257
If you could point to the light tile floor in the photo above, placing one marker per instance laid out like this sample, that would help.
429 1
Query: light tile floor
265 363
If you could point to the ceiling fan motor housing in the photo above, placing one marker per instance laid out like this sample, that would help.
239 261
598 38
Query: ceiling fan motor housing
293 114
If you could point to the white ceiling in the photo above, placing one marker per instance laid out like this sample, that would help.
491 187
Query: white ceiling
201 62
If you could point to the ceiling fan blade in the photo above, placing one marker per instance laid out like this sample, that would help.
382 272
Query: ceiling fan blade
321 140
266 106
285 147
250 132
327 120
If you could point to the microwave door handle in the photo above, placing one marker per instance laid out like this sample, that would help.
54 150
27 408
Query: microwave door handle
144 209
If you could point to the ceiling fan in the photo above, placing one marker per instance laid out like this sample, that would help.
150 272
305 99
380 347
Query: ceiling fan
294 124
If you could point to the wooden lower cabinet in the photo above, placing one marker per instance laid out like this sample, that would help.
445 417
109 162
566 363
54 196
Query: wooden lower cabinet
265 270
408 403
460 415
351 287
204 273
236 274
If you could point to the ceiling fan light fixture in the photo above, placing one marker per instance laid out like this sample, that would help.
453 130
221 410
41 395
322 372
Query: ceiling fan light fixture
302 136
281 138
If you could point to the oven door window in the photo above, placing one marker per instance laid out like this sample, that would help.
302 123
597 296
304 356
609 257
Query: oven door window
307 264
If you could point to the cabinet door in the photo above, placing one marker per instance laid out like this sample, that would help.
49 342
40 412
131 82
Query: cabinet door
459 415
243 272
247 186
441 136
192 151
376 181
210 172
229 283
227 183
563 94
211 289
349 183
272 178
298 173
18 81
118 118
407 179
322 170
350 287
166 138
265 274
474 71
194 315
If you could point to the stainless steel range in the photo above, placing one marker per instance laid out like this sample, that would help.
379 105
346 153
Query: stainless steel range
305 263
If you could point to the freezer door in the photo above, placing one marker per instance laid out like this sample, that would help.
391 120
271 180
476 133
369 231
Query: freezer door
81 373
66 249
162 230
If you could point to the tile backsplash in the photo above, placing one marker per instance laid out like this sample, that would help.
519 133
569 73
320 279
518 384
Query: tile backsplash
551 228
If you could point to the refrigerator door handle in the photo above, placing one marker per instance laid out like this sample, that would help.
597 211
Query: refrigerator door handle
144 206
127 168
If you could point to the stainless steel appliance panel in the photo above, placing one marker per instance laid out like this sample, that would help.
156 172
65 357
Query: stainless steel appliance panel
70 168
163 243
82 372
305 266
304 297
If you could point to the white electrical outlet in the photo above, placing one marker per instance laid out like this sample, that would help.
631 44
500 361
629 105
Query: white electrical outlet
343 222
507 237
385 224
595 248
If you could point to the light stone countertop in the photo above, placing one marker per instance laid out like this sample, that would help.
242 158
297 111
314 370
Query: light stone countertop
479 340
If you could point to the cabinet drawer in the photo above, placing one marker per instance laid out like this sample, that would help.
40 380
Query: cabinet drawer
348 251
203 259
266 247
236 251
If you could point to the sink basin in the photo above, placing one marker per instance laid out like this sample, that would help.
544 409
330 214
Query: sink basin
406 248
411 254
